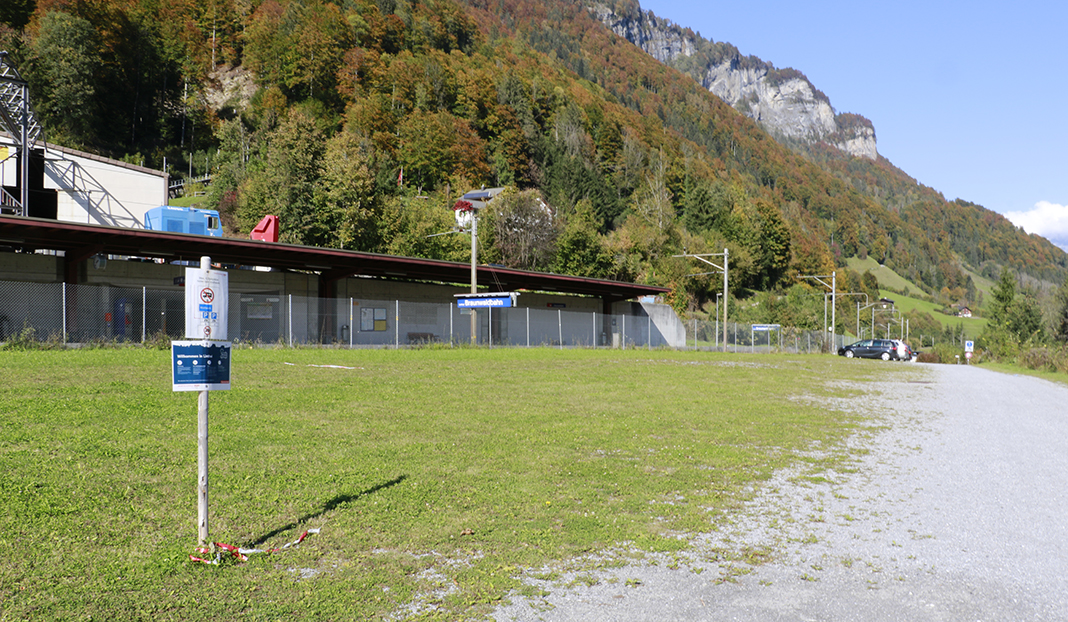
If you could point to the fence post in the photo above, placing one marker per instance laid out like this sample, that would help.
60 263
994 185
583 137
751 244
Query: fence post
623 342
528 327
396 326
451 342
65 313
560 326
648 331
144 303
290 320
593 335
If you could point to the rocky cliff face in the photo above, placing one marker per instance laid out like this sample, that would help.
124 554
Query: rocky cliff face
782 100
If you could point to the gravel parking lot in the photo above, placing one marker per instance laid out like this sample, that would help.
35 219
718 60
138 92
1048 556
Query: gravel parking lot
959 512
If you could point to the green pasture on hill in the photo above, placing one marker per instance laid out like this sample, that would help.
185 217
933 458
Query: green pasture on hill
892 280
435 476
973 326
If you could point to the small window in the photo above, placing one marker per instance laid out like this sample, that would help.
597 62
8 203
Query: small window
213 223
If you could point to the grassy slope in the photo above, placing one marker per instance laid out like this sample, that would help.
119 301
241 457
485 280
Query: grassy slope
435 475
888 278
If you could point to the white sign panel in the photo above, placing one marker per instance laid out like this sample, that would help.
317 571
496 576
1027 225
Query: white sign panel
206 302
969 346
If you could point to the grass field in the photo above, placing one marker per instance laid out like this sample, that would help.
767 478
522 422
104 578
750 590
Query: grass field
435 476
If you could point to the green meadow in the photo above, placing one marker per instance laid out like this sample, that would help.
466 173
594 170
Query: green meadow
435 477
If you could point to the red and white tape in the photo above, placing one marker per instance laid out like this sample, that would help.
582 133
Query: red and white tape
242 554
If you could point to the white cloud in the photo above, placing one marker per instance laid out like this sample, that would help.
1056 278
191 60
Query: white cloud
1046 219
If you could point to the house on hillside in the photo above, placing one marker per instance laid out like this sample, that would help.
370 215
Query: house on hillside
964 312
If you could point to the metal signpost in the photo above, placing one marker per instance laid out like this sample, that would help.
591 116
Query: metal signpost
203 365
762 328
969 347
489 301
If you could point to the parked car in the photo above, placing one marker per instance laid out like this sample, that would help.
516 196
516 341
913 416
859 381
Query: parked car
884 349
905 351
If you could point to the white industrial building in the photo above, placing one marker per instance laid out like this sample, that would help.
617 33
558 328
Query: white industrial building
74 186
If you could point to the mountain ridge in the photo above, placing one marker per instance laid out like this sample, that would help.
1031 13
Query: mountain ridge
784 101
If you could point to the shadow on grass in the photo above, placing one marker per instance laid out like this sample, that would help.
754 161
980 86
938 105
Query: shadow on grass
328 506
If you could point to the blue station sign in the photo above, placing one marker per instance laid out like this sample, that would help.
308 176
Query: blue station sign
486 301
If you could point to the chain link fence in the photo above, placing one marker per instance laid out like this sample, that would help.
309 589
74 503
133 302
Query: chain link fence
73 314
754 338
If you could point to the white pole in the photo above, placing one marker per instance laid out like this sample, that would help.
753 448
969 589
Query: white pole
451 342
290 320
474 274
725 256
834 305
648 331
65 314
396 326
202 453
144 302
528 327
593 335
352 328
623 342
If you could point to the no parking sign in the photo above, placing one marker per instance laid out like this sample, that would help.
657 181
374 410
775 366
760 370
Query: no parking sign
206 303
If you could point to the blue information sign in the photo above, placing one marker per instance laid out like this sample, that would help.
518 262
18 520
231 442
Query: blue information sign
200 365
485 301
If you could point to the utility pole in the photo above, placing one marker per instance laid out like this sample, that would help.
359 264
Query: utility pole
833 285
725 270
474 273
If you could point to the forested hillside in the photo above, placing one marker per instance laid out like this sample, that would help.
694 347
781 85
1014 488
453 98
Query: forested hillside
366 119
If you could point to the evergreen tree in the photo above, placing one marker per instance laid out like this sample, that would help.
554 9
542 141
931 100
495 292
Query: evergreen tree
579 250
1003 294
1060 319
1025 319
63 74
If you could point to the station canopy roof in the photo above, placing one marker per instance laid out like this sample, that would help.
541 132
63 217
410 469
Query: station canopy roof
81 241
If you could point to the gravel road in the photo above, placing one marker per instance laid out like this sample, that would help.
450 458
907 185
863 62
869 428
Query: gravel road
959 512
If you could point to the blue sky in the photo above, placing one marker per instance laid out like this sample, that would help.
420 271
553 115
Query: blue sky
969 98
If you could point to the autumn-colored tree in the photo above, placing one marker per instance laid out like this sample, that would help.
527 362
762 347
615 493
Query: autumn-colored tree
437 146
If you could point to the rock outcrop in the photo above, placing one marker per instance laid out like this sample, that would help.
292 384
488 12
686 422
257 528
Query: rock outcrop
783 101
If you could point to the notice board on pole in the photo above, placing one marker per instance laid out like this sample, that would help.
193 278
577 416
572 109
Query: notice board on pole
200 365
